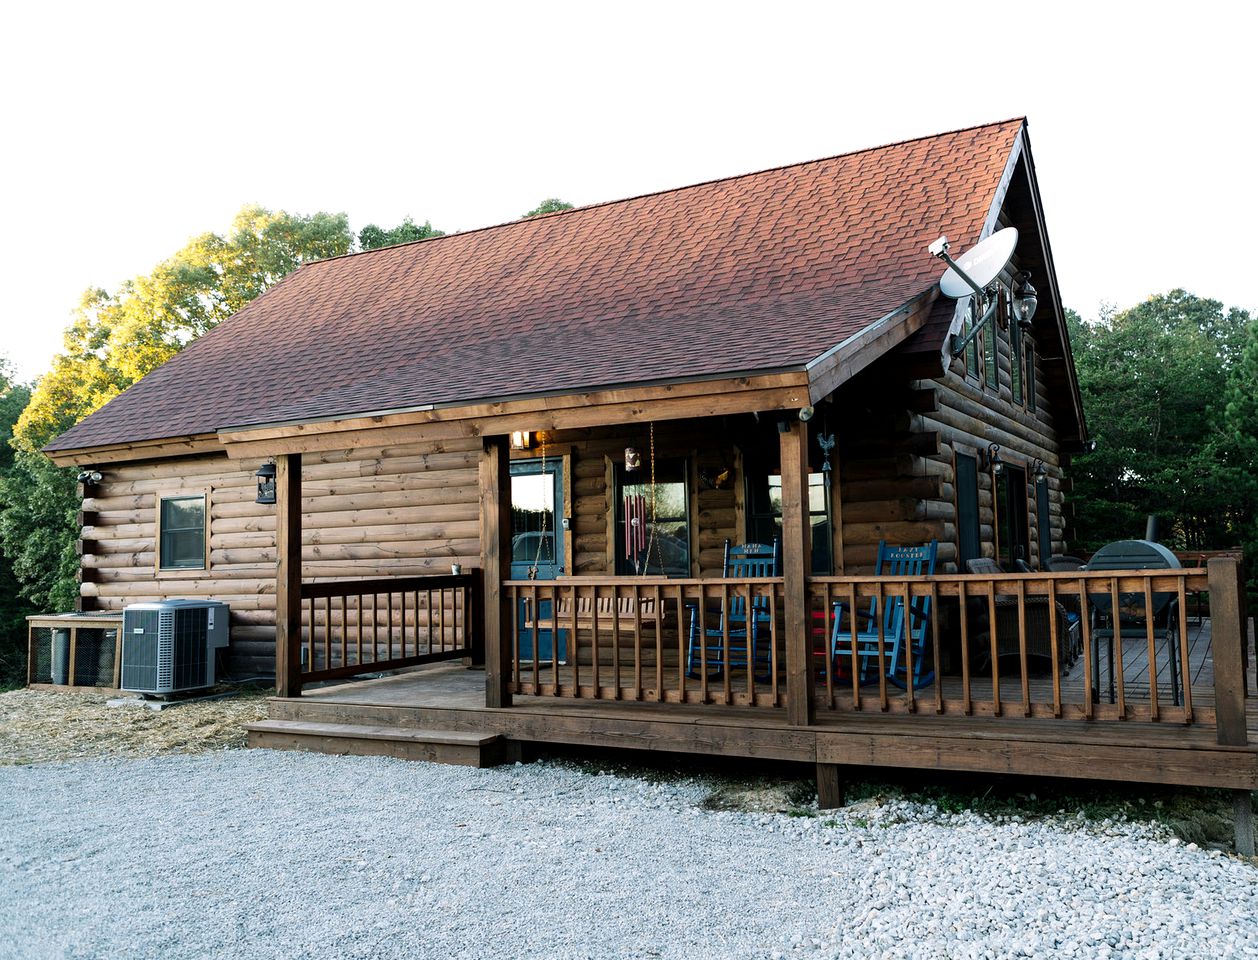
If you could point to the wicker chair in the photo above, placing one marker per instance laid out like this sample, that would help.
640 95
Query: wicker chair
1039 637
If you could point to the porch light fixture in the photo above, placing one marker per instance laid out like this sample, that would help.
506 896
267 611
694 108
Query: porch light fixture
994 463
1039 471
521 440
266 483
806 413
633 459
1024 299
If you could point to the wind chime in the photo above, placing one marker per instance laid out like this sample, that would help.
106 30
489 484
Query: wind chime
639 513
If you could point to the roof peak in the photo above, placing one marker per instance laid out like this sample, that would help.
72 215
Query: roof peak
687 186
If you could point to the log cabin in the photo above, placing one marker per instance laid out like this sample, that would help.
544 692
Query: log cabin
509 466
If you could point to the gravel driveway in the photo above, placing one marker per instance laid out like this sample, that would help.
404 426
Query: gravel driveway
263 854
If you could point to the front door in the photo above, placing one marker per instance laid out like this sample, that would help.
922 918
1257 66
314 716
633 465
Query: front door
537 543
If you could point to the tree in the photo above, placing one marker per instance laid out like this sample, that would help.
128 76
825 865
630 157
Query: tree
372 237
1241 422
552 205
1154 381
113 341
13 609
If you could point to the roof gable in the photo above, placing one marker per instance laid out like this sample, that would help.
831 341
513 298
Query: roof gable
750 274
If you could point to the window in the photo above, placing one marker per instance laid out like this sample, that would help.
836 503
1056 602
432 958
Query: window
1028 348
969 543
990 368
971 348
764 515
670 552
181 523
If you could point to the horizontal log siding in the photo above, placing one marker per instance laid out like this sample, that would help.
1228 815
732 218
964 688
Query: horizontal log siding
402 510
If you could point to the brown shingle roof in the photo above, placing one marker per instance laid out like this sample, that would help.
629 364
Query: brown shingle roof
753 273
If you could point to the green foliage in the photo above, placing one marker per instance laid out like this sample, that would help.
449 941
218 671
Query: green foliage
1155 381
552 205
13 609
1241 424
114 340
372 237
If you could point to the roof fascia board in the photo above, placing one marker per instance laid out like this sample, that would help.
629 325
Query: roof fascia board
840 363
1059 313
242 446
161 449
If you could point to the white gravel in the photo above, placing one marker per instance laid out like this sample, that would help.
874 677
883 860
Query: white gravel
242 854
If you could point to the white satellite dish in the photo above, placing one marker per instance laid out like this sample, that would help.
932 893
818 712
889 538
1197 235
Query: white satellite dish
982 263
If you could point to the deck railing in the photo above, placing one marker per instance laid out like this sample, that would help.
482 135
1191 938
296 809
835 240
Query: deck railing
1021 645
649 638
351 627
1037 645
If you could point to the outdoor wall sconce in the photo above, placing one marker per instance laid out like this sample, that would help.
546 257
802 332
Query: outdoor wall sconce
266 483
806 413
521 440
633 459
89 478
993 461
1024 299
1039 470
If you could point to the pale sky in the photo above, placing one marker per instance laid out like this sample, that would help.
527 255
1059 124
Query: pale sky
128 128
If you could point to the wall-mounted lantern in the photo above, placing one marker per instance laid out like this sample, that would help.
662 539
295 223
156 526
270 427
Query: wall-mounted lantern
521 440
633 459
1024 299
1039 470
993 461
266 483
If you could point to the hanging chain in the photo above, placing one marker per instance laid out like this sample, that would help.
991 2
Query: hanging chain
537 559
653 543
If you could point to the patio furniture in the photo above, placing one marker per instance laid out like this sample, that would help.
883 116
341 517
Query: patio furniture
1129 621
1039 636
706 644
903 625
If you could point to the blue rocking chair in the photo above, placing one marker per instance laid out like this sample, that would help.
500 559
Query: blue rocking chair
705 648
904 626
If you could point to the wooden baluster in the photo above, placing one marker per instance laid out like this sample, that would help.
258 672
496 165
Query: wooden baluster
537 650
773 644
1085 625
616 640
882 648
594 637
725 674
516 629
934 636
751 660
659 644
1054 641
827 620
1185 661
310 639
702 613
432 647
637 643
1116 645
681 644
995 647
852 628
344 630
1153 652
358 611
963 595
1026 682
910 695
327 632
574 651
375 628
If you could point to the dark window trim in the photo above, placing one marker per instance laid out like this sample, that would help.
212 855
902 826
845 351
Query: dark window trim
167 570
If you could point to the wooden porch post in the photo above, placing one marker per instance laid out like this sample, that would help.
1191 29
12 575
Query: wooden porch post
288 575
495 529
1227 642
796 564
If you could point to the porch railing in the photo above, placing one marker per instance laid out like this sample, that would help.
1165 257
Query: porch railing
1021 645
648 639
351 627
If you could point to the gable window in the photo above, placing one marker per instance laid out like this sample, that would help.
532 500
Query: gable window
1028 349
669 553
764 515
991 373
181 535
1015 360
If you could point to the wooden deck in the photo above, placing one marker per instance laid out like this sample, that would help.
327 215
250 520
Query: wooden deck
450 697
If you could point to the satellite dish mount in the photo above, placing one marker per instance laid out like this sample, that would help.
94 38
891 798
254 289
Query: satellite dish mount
971 273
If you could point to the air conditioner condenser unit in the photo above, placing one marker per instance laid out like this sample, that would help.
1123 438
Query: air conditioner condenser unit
169 645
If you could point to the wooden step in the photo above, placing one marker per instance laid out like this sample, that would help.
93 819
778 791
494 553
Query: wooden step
362 740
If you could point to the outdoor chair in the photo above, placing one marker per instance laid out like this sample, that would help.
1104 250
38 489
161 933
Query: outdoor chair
748 629
904 626
1129 621
1039 636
